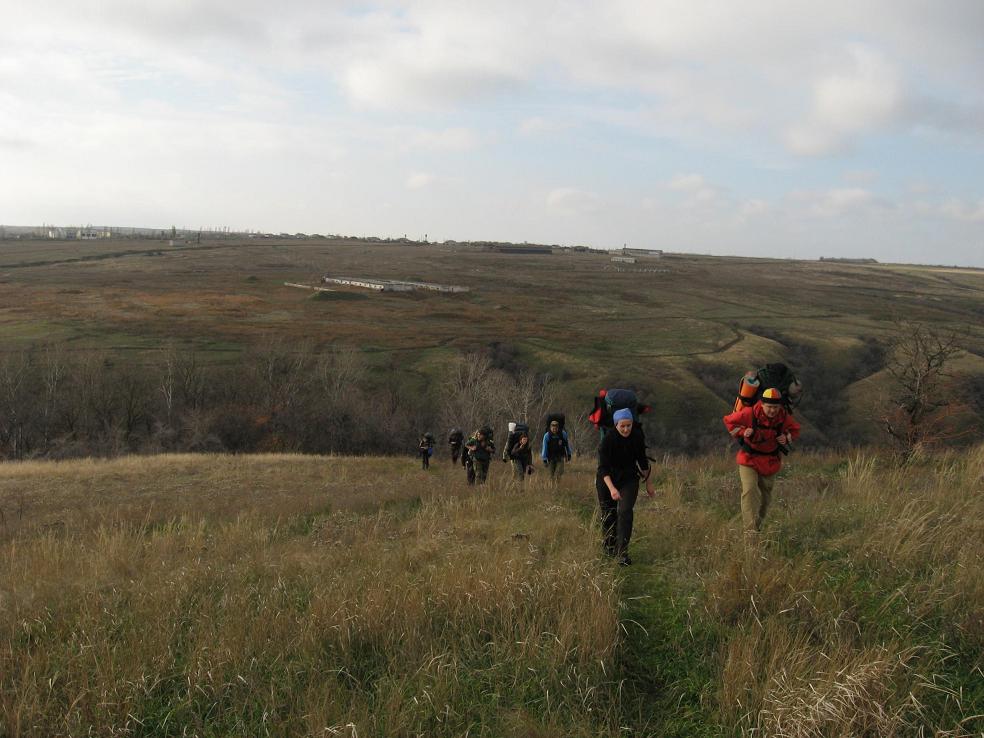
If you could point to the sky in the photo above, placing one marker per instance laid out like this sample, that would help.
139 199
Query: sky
783 128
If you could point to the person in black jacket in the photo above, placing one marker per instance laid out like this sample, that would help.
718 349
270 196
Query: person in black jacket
521 456
622 463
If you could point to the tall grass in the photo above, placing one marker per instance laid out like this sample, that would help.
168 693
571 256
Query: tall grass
473 613
220 596
862 612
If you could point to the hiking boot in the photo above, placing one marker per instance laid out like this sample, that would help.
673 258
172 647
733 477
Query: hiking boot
624 560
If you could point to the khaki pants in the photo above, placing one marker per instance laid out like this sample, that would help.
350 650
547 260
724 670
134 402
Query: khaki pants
756 494
556 468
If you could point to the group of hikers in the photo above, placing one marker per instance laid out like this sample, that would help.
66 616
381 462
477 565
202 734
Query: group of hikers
761 423
476 452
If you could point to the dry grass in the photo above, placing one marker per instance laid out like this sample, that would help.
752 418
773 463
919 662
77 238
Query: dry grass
861 613
469 613
308 596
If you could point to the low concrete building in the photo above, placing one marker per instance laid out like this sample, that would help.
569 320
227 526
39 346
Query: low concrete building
392 285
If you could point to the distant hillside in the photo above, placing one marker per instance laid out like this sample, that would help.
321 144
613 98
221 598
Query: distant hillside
310 596
122 317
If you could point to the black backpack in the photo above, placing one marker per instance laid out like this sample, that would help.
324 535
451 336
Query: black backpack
778 376
558 418
612 401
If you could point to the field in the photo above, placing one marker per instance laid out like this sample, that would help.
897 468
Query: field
684 331
319 596
145 593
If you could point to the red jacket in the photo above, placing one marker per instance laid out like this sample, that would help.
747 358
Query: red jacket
761 450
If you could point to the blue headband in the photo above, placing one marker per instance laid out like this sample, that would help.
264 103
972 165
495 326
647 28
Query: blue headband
623 414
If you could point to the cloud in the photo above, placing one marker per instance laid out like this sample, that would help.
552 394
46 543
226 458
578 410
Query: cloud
573 201
537 126
842 201
420 180
864 96
699 189
964 211
445 139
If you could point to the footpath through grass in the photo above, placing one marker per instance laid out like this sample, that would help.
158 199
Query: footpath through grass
861 614
312 596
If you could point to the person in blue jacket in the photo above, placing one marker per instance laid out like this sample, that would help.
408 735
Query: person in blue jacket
555 450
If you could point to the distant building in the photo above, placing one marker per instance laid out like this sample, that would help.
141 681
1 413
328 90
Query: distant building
651 253
391 285
624 259
846 260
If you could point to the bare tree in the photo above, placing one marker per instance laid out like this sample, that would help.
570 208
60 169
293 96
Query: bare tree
918 402
54 376
14 413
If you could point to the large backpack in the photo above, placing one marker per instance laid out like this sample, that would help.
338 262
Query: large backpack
608 402
558 418
754 383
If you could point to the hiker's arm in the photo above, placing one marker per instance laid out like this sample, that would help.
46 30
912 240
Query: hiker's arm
739 423
543 447
612 489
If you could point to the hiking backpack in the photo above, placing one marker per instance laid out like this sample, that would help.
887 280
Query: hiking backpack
553 417
608 402
754 383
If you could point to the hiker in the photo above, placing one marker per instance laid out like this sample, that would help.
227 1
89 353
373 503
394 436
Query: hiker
455 439
555 449
622 463
765 431
480 449
425 447
521 455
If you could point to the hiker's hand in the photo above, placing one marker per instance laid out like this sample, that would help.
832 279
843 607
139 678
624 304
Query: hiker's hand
615 495
747 433
784 439
650 490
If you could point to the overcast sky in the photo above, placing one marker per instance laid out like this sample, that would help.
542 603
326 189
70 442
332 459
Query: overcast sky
786 128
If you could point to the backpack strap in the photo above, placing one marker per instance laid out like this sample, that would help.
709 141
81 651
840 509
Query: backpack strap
754 451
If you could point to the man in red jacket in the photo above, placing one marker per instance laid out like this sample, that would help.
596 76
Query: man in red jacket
764 431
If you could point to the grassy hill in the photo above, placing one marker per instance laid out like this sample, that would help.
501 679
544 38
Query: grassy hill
316 596
686 329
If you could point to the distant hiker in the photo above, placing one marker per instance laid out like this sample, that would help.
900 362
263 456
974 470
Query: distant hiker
480 449
765 431
516 431
555 448
425 447
455 440
521 455
622 463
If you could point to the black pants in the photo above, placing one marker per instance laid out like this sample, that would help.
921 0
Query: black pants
616 515
455 452
425 460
